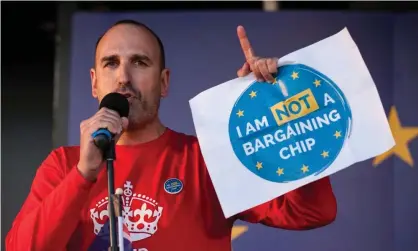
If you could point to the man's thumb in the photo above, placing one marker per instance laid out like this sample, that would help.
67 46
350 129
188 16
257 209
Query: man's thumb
125 123
244 70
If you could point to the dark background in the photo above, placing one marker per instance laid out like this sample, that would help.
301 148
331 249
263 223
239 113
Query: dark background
28 54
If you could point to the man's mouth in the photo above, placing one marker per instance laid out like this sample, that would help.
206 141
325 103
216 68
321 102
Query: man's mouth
129 96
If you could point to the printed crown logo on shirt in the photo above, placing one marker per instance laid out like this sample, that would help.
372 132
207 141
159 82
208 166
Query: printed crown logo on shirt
136 207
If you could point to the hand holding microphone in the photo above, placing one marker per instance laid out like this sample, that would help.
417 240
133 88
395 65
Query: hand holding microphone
97 131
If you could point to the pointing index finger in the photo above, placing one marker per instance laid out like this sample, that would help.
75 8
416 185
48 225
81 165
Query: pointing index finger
245 43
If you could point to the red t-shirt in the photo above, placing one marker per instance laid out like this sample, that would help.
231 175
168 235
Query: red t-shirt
63 211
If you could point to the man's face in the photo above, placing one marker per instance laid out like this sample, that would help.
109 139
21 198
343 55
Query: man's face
128 62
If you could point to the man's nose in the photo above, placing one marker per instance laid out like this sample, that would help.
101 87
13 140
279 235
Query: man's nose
124 77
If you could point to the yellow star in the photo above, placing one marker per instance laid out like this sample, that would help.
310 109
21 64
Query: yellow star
280 171
402 135
253 94
317 82
240 113
337 134
305 169
325 154
259 165
237 231
295 75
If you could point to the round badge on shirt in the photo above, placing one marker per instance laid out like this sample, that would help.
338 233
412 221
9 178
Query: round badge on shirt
291 129
173 186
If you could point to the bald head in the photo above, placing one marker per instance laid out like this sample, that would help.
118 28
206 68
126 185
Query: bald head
127 24
129 59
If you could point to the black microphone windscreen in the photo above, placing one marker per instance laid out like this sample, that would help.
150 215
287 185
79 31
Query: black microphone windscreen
117 102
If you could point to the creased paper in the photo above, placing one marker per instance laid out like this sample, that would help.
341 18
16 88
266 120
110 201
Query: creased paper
262 140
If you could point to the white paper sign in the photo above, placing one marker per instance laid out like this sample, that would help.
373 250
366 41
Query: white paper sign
262 140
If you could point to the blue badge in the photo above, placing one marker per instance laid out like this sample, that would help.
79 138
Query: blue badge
173 186
291 129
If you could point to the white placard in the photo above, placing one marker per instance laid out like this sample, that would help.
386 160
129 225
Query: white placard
262 140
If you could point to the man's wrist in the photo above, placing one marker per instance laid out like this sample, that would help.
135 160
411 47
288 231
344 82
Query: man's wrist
87 173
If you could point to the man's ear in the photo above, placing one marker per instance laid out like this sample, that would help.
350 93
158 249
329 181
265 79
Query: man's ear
165 82
93 79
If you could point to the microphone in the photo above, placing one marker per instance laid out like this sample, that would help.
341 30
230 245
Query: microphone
113 101
104 140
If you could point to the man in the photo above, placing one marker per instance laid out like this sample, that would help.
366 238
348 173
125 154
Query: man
66 208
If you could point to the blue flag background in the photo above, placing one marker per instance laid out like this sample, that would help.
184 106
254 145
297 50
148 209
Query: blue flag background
378 198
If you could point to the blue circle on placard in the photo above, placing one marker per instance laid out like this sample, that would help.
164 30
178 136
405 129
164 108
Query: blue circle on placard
173 186
291 129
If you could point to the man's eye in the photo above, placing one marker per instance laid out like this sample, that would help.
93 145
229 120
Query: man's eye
140 63
111 64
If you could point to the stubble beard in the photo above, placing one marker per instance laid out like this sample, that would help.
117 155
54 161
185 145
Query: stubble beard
142 113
